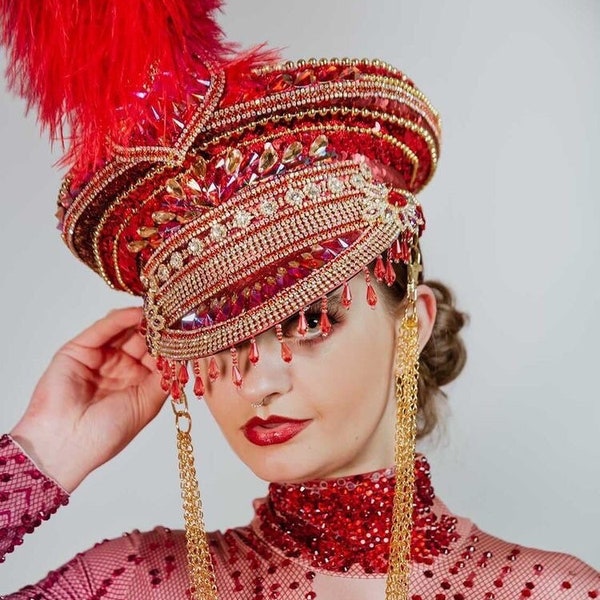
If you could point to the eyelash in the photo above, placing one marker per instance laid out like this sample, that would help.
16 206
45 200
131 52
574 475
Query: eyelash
313 316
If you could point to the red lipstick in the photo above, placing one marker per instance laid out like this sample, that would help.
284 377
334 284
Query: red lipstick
274 430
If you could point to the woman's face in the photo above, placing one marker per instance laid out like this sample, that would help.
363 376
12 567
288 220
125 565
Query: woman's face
330 412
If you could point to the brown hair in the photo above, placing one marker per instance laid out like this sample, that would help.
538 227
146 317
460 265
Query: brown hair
444 355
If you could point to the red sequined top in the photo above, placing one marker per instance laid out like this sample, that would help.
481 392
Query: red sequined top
322 540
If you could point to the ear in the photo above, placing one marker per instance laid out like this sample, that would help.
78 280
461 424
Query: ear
426 312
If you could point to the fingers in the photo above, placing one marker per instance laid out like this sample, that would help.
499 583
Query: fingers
107 329
150 398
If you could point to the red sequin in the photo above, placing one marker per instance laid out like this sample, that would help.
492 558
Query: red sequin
298 520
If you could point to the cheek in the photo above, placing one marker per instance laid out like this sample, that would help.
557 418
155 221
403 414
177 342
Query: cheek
347 383
222 405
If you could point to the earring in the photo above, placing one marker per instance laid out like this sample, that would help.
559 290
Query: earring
406 375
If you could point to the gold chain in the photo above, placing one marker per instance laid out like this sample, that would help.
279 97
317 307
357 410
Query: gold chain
200 567
406 389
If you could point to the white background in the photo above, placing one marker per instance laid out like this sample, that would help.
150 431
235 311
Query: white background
513 218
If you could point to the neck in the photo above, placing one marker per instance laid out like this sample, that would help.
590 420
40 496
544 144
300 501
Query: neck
345 524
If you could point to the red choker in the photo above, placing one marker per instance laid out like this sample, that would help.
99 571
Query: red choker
335 524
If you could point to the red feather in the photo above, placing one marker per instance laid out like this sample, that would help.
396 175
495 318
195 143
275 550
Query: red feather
77 61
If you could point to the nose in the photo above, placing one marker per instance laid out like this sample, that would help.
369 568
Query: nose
270 376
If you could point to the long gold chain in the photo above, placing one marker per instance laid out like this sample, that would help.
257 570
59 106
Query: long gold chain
406 389
202 577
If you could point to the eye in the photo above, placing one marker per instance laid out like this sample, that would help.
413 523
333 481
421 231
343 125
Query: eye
313 325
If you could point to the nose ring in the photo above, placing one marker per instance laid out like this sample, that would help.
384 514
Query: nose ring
258 404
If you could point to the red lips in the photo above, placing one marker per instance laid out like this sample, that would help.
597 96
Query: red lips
274 430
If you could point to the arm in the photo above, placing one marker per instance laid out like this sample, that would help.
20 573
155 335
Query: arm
27 496
99 391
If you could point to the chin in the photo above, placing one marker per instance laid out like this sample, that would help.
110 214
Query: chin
283 465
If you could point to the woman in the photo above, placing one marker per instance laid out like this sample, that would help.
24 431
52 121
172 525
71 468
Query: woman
373 450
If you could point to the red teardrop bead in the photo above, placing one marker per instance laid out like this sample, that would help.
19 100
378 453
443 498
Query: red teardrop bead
183 375
236 376
302 324
379 270
404 251
325 324
286 353
213 369
254 354
371 296
199 387
390 274
175 390
396 251
165 384
160 363
346 296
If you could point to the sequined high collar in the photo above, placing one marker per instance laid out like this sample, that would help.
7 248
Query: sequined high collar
339 524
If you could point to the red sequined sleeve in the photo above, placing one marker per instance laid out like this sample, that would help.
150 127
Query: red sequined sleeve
27 496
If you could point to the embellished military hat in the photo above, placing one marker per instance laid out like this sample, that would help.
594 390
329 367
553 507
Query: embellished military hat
253 193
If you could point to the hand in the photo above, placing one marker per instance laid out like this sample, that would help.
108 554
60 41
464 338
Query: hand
99 391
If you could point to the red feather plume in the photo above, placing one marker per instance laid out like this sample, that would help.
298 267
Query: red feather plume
77 61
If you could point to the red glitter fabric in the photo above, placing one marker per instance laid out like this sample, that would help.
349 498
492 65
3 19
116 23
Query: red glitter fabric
304 543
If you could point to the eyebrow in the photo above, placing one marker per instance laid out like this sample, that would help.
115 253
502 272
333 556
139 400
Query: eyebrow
333 301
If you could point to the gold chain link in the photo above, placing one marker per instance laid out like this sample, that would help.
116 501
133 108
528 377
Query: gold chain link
406 389
200 567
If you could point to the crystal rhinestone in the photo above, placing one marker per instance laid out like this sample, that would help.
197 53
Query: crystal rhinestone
346 296
242 219
193 185
291 153
233 160
174 188
254 355
312 190
268 158
236 376
217 231
198 168
161 216
137 246
146 232
286 353
194 246
379 270
335 185
357 180
176 260
371 296
183 375
306 77
325 324
199 387
366 171
163 272
294 197
302 323
318 148
268 208
213 369
350 73
281 82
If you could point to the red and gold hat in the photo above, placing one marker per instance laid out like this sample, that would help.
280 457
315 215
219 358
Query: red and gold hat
253 194
230 191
